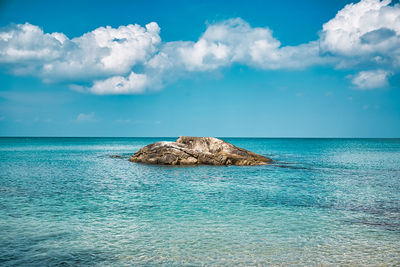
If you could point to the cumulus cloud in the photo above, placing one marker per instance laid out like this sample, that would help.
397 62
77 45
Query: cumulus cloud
132 59
106 51
366 80
235 41
367 32
134 83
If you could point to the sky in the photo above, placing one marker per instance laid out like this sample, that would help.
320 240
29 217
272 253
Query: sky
202 68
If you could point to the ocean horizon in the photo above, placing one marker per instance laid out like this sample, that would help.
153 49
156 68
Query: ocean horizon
324 201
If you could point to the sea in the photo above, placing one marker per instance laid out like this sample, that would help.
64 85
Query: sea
67 202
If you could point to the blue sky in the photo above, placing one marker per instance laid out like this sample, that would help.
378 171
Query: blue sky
203 68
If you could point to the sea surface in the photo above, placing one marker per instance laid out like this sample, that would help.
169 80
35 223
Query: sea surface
65 201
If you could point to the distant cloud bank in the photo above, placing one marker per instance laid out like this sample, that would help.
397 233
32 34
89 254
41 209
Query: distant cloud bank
132 59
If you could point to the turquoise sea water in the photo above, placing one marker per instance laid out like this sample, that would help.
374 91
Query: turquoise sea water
64 201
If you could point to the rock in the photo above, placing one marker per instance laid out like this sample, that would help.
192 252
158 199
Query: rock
195 151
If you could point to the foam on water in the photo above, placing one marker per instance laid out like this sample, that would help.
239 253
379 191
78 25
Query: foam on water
65 201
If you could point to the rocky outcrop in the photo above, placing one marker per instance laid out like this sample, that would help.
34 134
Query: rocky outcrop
195 151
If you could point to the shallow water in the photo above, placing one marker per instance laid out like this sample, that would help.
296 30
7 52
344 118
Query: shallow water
324 201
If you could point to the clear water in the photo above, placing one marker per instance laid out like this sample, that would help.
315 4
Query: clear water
325 202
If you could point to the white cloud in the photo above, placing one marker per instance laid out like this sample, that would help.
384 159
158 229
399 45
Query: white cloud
90 117
235 41
367 80
105 57
134 83
132 59
101 53
26 42
367 32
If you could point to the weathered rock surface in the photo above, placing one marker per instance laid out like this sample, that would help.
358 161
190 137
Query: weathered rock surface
195 151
